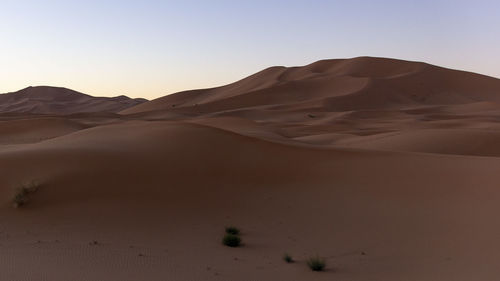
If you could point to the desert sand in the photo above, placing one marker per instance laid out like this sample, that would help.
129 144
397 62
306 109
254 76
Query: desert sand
388 169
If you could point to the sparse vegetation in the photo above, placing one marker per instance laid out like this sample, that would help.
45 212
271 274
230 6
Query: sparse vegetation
232 230
21 196
231 240
287 258
316 263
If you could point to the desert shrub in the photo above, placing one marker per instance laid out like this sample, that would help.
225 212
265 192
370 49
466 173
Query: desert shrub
316 263
232 230
21 196
231 240
287 258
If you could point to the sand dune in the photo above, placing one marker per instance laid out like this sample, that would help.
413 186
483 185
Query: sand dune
450 141
170 206
338 85
54 100
386 168
329 100
35 130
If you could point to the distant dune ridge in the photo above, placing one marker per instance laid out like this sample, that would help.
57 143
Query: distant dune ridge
56 100
387 169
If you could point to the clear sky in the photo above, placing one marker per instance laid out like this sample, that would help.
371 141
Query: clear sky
152 48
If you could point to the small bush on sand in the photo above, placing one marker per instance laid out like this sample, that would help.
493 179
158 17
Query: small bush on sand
231 240
232 230
21 196
316 263
287 258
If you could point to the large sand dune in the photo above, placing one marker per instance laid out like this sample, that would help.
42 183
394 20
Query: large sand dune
388 169
338 85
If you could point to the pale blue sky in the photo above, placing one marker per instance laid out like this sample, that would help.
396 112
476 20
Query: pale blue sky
153 48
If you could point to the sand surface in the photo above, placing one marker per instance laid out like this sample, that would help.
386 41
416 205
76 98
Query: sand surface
388 169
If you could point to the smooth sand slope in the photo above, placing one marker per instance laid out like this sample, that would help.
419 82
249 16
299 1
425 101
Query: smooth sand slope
345 159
